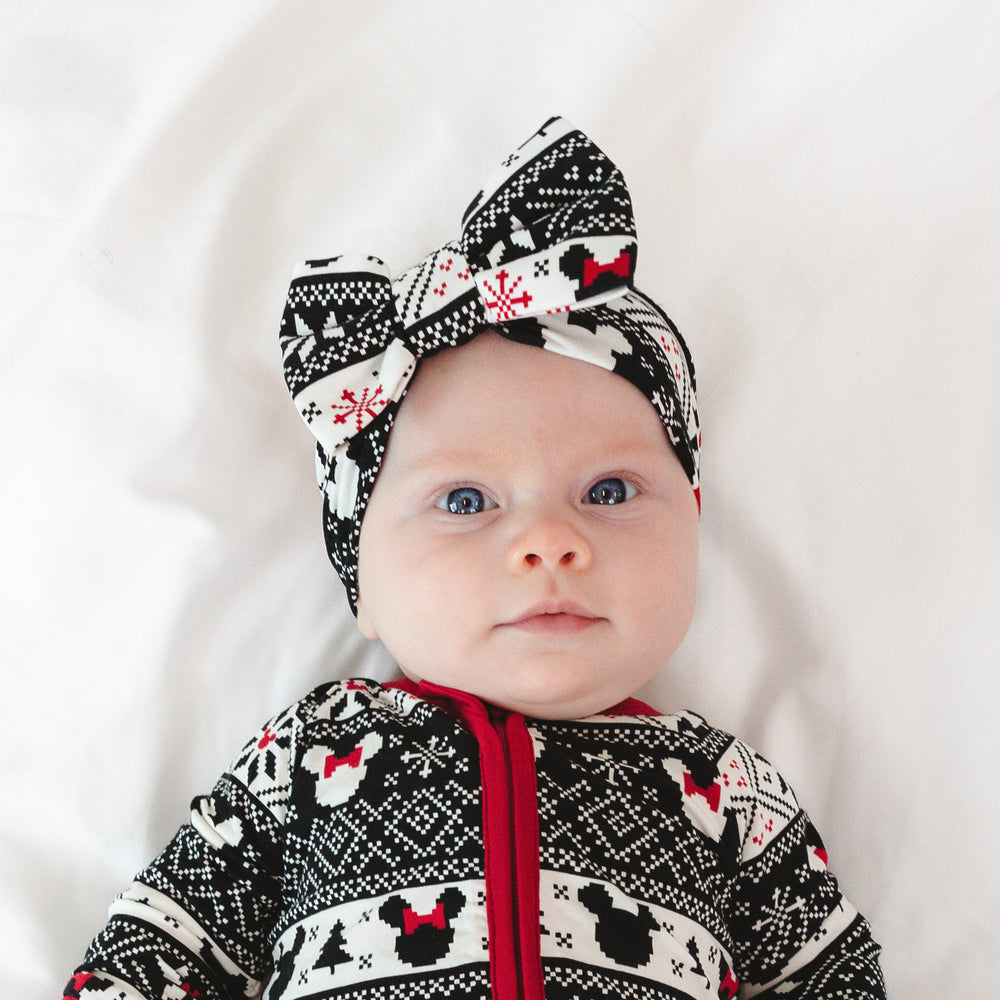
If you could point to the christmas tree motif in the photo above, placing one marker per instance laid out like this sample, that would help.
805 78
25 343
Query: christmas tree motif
332 953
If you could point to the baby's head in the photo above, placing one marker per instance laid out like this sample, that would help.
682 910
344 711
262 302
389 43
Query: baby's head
532 536
529 531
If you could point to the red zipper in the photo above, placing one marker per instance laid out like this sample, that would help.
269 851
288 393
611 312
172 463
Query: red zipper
510 836
519 760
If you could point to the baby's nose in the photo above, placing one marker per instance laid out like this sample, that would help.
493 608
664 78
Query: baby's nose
549 541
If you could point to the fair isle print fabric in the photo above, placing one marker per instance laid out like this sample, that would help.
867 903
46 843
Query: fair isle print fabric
546 257
395 841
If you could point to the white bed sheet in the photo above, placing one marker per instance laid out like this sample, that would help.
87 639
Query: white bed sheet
816 193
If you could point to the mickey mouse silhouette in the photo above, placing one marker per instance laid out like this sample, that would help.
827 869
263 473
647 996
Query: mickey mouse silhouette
425 937
626 938
339 776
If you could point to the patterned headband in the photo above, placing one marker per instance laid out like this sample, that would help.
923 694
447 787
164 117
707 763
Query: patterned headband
546 258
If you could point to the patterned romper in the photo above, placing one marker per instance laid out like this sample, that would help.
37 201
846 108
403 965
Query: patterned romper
401 841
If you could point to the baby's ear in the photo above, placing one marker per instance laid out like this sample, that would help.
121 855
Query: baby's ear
364 622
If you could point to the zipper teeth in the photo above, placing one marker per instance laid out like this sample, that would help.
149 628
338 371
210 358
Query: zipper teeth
524 820
515 894
498 829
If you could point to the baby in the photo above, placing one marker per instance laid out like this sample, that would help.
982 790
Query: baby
505 820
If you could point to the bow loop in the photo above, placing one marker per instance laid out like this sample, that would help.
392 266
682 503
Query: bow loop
342 347
552 229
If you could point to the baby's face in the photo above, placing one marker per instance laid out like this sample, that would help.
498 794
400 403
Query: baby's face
531 538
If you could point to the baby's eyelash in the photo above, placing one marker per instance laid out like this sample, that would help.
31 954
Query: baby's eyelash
611 490
465 500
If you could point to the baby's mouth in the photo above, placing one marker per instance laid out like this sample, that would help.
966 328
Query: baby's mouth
554 618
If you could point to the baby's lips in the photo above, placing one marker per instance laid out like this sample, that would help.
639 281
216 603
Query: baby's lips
554 616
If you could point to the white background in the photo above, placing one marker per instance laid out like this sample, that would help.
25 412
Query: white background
815 186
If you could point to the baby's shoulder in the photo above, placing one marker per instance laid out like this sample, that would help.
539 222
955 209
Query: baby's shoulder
719 775
265 763
716 775
719 761
338 701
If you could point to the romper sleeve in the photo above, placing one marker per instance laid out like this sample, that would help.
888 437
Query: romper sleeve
796 936
197 921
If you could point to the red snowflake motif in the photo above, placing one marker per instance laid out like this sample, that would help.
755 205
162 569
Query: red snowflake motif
445 265
504 300
369 405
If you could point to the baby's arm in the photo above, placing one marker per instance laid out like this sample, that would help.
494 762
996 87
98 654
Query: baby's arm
196 922
797 937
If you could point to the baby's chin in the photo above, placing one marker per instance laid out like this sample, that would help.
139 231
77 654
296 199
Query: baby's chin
539 697
553 704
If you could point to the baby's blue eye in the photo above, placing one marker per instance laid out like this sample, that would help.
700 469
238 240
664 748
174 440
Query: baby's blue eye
610 490
465 500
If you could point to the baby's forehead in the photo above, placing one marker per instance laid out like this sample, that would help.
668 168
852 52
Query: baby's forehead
511 378
492 393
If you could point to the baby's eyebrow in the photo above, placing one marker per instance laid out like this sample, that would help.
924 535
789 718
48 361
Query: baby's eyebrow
449 459
442 464
457 462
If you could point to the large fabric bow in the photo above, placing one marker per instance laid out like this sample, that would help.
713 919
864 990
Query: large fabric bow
546 256
552 231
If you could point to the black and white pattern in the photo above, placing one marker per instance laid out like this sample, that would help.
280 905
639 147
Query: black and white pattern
546 257
673 861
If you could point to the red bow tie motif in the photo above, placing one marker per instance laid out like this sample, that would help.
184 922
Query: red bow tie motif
711 794
353 759
592 270
412 920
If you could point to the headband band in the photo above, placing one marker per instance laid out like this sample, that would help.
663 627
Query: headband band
546 257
